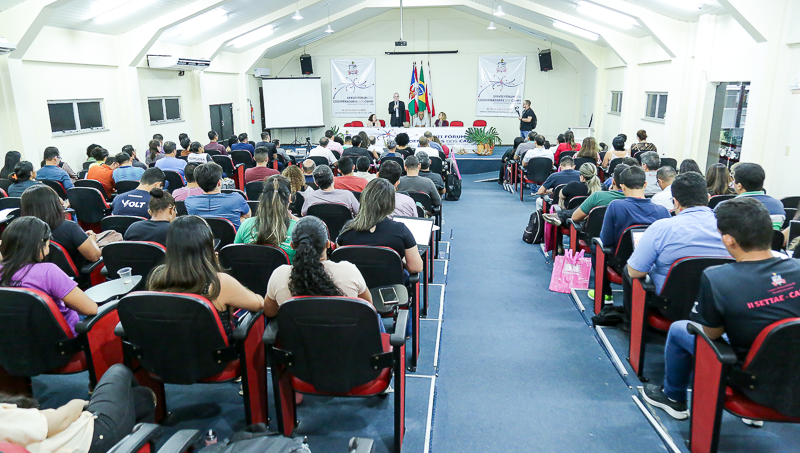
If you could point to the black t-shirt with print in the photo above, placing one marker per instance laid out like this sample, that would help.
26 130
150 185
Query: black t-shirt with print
71 236
746 297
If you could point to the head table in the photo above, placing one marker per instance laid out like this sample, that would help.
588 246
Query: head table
453 137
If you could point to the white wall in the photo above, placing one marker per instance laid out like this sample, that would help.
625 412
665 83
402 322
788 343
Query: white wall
615 81
556 95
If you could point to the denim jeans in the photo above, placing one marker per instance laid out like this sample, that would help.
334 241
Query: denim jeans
524 134
678 361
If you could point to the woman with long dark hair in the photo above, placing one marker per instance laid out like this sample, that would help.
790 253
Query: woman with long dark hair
567 145
12 159
273 223
718 180
153 152
25 244
372 225
311 273
589 150
42 202
689 165
191 267
162 212
24 177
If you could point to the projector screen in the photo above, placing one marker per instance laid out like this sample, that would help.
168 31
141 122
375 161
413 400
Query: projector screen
292 103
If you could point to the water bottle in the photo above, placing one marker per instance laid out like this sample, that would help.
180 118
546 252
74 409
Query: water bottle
210 437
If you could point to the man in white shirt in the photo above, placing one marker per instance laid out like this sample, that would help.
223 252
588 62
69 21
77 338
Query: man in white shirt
665 176
528 144
538 151
362 169
333 145
420 120
431 143
322 150
425 147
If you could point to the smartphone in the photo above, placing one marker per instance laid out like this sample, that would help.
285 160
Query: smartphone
389 296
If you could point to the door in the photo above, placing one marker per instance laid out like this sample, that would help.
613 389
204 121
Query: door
727 123
222 121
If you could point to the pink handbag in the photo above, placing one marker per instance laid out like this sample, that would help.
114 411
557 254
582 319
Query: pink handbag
571 270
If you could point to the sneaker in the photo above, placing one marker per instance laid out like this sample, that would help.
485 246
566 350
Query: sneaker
511 189
654 395
753 423
552 219
609 299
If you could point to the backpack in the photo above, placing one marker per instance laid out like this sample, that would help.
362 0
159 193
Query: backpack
535 231
453 187
533 121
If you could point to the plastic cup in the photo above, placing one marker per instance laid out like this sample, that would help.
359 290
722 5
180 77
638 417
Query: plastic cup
125 274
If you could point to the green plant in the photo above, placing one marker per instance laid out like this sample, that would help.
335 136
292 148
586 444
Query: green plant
336 133
479 135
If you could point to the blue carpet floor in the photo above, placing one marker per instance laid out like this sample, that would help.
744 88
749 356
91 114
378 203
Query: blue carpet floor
505 364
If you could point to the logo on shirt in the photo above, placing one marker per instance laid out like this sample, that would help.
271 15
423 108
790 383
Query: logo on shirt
133 204
777 280
694 308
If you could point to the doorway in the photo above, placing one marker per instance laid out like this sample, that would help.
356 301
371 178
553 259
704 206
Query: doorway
727 124
222 121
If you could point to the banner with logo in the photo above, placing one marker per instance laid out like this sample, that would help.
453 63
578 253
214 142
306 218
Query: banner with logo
353 87
501 85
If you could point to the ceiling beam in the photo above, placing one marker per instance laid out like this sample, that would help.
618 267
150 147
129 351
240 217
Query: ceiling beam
136 43
22 23
212 47
736 9
668 33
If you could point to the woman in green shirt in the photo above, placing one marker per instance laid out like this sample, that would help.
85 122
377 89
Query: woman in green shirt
273 223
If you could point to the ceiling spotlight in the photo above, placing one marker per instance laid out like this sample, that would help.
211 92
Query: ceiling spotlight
491 26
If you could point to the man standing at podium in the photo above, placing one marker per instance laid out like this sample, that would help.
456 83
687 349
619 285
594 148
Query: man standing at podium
397 109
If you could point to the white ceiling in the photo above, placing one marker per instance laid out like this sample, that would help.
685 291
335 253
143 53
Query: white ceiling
78 14
338 26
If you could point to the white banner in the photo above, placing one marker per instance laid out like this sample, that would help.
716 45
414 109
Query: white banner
353 87
501 85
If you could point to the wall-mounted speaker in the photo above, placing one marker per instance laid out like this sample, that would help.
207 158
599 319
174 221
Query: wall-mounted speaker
545 61
305 64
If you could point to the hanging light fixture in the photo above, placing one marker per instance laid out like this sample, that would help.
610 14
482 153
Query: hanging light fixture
329 29
297 15
499 11
491 26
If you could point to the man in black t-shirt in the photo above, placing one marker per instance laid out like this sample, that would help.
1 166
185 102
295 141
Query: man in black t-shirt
738 299
357 151
137 201
527 119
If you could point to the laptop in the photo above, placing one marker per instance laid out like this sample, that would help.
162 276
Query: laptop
636 236
420 228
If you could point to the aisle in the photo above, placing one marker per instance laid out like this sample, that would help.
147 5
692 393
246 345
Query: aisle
519 370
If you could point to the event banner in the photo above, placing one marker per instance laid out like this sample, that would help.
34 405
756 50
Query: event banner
353 87
501 85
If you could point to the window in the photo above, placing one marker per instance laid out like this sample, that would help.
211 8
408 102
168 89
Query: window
656 106
616 102
70 117
163 110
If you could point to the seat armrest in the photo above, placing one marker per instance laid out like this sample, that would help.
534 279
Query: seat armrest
270 332
248 321
89 268
599 243
86 325
119 331
576 225
723 350
413 279
142 434
398 338
181 441
648 285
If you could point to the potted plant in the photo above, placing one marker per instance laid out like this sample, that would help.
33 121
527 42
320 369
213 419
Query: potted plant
336 133
485 140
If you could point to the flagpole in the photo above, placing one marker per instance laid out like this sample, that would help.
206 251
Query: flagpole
431 108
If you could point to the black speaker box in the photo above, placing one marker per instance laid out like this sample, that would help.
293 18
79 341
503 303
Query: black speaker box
545 61
305 64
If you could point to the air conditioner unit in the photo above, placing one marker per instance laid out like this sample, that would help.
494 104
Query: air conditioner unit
177 63
6 47
261 73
